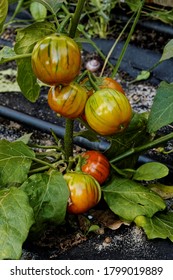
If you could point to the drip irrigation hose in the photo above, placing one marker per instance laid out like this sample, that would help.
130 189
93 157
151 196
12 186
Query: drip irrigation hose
152 25
45 126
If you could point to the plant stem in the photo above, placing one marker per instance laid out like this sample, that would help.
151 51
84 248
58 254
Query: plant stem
92 80
114 72
143 148
45 147
68 138
89 40
64 22
154 66
76 17
40 169
46 167
81 76
43 162
114 45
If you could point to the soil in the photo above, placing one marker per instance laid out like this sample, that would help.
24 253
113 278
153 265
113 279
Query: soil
71 240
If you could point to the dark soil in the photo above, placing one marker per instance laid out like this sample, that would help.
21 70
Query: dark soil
126 243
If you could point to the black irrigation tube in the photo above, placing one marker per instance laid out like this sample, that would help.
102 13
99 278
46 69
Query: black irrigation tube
155 25
45 126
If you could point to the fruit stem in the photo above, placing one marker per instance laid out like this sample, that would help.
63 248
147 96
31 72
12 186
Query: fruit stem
43 162
92 80
79 163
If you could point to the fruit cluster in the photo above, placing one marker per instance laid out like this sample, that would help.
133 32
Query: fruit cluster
56 61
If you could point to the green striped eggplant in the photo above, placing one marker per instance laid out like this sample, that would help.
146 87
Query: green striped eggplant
68 101
108 111
85 192
56 60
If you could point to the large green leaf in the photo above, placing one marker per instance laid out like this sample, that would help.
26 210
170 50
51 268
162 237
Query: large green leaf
27 37
48 196
26 79
151 171
129 199
15 162
159 226
162 109
3 12
133 136
16 218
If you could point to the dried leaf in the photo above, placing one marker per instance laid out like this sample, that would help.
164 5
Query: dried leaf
164 191
108 219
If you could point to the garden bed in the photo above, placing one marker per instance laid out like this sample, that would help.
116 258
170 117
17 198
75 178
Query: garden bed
69 242
113 239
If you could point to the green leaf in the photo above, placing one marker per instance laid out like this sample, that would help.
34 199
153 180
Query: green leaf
93 228
25 138
16 218
167 51
151 171
38 11
6 53
15 162
163 15
144 75
159 226
48 196
51 5
28 36
133 136
134 5
129 199
26 79
161 113
3 12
